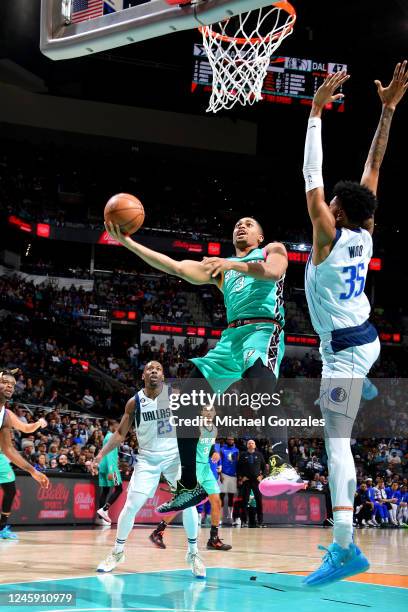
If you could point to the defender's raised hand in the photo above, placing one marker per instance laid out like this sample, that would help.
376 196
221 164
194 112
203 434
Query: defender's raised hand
325 93
392 94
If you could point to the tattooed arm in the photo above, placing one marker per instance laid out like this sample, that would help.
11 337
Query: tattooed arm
389 96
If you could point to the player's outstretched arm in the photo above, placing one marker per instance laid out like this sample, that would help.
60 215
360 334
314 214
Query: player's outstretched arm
120 434
324 230
15 457
15 423
390 96
272 269
188 269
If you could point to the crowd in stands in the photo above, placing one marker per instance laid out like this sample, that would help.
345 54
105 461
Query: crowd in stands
63 185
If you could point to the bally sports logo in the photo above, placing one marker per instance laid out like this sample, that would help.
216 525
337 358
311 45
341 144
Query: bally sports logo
84 500
57 493
54 502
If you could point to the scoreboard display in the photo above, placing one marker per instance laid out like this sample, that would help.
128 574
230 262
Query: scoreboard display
289 80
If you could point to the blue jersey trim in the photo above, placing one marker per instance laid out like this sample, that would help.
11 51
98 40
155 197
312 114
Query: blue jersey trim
137 409
337 237
353 336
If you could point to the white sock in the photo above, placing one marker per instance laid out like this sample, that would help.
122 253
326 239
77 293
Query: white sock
126 520
190 523
343 527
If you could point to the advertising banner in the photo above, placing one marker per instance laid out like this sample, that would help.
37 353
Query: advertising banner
66 501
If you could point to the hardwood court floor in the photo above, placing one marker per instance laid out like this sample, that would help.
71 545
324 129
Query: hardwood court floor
58 554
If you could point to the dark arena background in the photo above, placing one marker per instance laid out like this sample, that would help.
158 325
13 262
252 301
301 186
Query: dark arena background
81 315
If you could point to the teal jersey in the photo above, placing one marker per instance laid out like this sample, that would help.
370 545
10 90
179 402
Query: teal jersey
246 297
6 471
205 443
109 463
4 462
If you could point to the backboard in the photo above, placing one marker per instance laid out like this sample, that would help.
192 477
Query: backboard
73 28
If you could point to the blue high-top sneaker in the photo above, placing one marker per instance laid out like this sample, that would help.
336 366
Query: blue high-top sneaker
7 534
338 563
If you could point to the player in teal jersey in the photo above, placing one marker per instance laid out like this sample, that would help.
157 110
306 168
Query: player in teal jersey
250 349
109 477
8 420
205 476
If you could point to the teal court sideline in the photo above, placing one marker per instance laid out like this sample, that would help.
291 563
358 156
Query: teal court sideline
225 590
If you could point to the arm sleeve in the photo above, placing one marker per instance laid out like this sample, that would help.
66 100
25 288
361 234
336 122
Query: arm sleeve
313 156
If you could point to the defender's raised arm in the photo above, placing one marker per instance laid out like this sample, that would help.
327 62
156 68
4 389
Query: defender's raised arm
324 230
390 96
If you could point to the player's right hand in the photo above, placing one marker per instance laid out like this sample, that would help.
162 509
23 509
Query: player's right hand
325 94
42 423
95 464
114 232
41 479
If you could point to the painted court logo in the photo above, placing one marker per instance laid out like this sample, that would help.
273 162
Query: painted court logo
338 395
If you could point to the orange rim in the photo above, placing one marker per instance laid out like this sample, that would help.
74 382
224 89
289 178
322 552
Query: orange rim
283 5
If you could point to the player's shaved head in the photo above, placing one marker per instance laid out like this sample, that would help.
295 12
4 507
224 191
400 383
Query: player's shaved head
153 377
153 364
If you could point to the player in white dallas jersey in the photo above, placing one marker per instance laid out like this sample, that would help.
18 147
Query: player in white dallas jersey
339 309
158 454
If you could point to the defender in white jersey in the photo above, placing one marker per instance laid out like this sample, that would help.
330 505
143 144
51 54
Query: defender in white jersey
158 454
339 309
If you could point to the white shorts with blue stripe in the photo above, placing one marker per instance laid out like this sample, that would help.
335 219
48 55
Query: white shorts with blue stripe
343 375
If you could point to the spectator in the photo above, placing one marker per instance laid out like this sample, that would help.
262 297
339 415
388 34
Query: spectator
63 465
41 463
250 468
363 507
314 465
88 400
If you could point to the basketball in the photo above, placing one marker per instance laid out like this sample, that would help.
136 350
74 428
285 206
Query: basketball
126 211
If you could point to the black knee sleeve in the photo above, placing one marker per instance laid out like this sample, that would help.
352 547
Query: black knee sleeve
9 489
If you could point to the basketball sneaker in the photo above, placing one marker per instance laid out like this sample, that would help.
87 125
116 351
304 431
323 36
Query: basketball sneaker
282 479
157 538
111 561
104 515
338 563
7 534
100 521
196 564
183 498
217 544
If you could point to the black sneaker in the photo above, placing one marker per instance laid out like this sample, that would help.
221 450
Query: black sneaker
217 544
157 538
183 498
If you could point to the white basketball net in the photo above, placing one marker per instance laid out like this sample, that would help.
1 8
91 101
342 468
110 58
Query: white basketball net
239 51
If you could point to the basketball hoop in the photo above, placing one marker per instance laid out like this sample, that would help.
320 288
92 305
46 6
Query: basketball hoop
239 51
